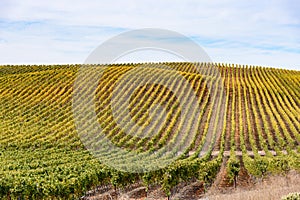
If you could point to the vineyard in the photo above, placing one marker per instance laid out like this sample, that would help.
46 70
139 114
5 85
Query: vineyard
251 115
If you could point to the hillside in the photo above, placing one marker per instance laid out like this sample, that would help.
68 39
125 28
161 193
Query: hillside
252 115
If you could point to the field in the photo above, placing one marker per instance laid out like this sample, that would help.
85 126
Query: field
252 115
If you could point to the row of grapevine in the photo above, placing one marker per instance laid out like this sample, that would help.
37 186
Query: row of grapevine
245 109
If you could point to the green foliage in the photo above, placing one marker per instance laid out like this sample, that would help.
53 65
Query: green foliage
291 196
42 157
233 168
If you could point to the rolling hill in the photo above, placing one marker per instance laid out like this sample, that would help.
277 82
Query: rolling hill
237 121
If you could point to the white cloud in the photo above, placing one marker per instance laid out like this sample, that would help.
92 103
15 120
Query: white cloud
255 57
68 30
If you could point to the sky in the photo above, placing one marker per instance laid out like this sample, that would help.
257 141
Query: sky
256 32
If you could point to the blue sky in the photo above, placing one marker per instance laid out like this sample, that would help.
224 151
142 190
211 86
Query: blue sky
256 32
